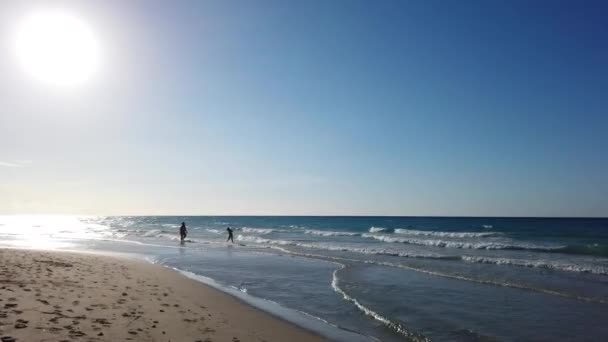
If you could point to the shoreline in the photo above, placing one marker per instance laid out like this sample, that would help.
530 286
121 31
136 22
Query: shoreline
75 296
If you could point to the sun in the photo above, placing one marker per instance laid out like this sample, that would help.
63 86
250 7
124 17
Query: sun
56 47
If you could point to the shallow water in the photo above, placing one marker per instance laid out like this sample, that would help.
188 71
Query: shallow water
446 279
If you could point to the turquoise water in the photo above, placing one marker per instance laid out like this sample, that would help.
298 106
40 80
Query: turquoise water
387 278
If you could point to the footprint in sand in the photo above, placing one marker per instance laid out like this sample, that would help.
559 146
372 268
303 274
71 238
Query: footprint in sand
76 333
102 321
45 302
21 323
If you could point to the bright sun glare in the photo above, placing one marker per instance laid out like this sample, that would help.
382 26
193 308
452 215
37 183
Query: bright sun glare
56 47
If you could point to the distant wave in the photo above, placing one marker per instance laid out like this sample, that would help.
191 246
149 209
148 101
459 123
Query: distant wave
256 239
294 226
416 232
380 230
331 247
461 244
374 251
328 233
214 231
559 266
262 231
222 223
444 234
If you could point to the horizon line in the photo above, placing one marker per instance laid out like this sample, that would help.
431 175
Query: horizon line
312 215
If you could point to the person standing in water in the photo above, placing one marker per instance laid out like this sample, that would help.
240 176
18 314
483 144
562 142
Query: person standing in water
183 232
230 237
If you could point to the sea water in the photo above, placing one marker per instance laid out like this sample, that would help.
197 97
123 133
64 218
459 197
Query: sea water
374 278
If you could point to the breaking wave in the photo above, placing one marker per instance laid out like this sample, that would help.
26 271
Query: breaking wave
331 247
552 265
328 233
444 234
490 245
256 239
262 231
380 230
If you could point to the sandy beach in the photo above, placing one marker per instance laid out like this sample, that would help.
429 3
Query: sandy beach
62 296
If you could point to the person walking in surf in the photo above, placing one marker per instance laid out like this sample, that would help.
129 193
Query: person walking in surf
230 236
183 232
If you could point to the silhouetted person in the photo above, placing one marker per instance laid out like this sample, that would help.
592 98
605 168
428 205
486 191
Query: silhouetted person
230 237
183 232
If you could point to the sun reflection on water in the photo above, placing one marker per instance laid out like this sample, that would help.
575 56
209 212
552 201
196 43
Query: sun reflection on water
47 231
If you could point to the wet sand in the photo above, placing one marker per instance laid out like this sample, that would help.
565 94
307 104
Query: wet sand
61 296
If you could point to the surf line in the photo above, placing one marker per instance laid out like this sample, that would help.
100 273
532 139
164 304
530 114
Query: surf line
451 276
399 328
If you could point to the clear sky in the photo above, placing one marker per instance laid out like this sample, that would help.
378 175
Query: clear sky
315 107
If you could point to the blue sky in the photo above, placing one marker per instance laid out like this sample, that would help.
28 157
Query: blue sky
316 107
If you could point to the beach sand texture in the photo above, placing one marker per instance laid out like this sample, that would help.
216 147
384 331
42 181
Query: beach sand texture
61 296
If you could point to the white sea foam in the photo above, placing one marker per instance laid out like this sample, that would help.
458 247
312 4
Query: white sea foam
153 232
262 231
256 239
454 244
461 244
214 231
328 233
443 234
342 248
379 230
553 265
163 234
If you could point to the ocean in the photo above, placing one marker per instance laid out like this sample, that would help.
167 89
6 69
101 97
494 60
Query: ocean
373 278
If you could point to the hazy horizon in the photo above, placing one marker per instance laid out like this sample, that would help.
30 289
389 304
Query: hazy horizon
391 108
